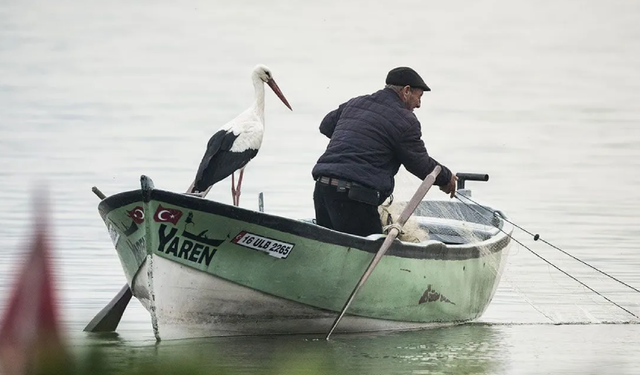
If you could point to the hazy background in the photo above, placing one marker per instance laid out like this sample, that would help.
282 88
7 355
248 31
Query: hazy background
541 95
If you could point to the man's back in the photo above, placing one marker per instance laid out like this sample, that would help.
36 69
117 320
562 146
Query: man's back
370 137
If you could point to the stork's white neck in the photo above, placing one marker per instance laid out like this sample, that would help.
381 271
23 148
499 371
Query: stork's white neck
258 105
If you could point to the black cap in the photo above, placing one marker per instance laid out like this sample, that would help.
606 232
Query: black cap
403 76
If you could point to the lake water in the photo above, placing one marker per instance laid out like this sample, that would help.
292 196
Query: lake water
541 95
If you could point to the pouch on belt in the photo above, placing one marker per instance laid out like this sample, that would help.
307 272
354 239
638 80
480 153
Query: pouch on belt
365 195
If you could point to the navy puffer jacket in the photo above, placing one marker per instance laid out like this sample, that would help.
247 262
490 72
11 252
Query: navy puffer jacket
371 136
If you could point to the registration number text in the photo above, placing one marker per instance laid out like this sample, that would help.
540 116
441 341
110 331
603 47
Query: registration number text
270 246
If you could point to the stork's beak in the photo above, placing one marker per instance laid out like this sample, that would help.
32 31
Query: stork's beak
276 89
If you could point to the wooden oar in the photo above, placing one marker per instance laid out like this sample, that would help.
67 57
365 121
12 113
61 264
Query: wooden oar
391 236
108 318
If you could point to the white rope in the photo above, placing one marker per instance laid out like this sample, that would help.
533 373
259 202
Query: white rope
387 228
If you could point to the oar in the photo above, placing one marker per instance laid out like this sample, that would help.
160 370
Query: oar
108 318
391 236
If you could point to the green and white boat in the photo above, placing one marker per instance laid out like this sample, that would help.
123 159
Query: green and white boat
203 268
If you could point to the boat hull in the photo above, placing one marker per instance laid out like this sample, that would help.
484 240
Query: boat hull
202 268
195 304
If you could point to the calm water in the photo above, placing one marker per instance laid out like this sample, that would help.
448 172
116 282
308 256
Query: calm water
541 95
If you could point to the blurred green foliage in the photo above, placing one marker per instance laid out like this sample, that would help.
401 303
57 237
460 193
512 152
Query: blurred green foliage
97 361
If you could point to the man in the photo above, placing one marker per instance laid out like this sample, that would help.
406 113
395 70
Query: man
371 135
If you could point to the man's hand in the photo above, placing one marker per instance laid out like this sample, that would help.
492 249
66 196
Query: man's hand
450 188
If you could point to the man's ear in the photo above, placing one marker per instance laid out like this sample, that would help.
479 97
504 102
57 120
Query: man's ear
406 91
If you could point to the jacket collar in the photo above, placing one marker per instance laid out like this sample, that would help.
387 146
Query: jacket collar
393 96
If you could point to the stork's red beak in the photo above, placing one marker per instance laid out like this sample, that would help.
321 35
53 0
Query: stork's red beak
276 89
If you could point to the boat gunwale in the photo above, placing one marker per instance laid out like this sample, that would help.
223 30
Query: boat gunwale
434 250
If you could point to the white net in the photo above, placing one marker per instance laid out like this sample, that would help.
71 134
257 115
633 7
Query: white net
531 291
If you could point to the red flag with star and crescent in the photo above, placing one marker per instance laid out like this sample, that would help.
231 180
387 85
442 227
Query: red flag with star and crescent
137 214
167 215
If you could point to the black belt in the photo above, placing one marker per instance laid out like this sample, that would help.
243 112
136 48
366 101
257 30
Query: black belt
335 182
355 191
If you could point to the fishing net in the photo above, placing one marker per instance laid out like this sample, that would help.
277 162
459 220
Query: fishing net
538 284
411 231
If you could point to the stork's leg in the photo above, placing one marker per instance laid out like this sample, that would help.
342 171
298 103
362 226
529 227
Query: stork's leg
238 187
233 188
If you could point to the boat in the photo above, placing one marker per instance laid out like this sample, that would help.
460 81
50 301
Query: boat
202 268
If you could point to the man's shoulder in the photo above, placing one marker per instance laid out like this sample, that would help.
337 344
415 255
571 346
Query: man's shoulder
361 98
380 99
385 102
380 95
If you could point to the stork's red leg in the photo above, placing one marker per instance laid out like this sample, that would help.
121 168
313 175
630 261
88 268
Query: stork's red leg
238 187
233 188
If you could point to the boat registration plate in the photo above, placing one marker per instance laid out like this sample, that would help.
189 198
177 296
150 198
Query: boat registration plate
270 246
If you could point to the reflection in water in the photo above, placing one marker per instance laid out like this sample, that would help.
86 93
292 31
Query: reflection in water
459 349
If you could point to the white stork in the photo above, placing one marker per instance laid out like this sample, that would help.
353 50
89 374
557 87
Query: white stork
237 142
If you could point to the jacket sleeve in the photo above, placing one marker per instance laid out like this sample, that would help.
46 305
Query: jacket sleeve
413 154
328 124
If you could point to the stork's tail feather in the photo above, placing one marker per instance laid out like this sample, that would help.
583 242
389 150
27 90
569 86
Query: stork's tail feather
193 191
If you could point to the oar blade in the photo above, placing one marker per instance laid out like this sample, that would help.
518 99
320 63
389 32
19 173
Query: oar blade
108 318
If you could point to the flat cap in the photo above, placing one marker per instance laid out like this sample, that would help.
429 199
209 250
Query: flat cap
404 76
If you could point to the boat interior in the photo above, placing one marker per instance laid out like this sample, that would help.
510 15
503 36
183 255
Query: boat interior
456 223
449 222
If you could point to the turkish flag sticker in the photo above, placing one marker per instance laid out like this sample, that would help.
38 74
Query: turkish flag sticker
137 214
167 215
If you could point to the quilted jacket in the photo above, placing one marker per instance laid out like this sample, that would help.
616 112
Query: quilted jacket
370 137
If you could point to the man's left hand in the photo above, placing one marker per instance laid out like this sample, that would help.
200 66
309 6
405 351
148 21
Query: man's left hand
450 188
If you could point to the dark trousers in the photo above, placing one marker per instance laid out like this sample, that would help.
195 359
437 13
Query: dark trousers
335 210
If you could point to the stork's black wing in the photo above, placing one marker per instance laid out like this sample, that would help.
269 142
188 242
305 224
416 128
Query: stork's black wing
219 162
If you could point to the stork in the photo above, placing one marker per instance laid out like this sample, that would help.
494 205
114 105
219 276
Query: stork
236 142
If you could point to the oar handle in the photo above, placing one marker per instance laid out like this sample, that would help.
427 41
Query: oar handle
462 177
97 192
473 176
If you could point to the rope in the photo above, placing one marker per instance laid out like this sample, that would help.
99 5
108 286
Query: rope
536 237
387 228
